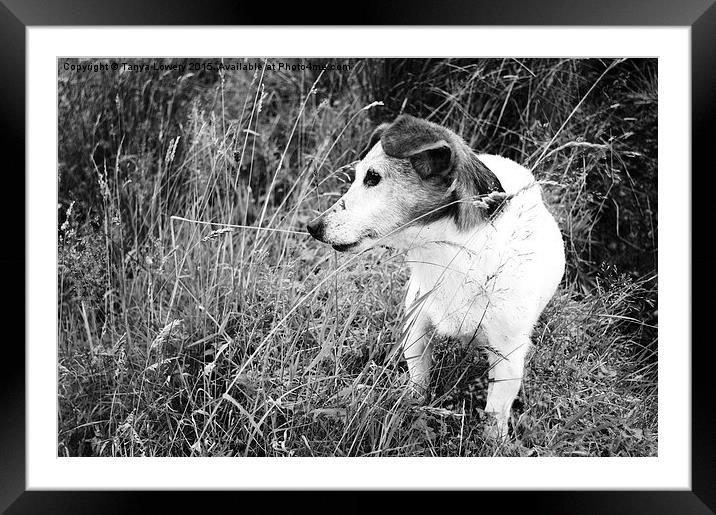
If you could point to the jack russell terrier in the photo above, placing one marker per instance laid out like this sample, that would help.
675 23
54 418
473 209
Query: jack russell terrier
485 254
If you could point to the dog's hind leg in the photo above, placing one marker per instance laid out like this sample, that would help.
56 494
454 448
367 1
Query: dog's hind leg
505 375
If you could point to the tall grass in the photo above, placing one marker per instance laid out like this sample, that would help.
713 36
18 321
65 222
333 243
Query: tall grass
178 337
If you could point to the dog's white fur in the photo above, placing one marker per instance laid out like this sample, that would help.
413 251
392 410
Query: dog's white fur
487 284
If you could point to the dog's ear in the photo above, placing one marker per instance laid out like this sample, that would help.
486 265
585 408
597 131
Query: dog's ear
374 138
425 144
433 159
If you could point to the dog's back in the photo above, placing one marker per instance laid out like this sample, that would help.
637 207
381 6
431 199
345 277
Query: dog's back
512 176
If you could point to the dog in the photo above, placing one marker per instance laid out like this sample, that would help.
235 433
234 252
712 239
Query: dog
485 254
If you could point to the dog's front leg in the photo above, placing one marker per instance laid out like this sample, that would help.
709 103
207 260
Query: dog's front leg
418 354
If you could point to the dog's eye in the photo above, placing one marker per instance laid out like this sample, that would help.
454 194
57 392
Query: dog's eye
371 178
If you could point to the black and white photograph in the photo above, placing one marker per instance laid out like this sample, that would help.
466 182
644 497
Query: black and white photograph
357 257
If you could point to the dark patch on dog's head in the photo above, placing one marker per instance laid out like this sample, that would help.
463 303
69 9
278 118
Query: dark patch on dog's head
425 144
445 163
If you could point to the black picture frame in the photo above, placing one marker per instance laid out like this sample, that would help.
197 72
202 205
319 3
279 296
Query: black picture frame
17 15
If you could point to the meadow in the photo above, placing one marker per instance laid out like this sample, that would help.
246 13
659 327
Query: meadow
197 318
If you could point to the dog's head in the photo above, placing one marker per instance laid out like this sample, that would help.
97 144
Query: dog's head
413 172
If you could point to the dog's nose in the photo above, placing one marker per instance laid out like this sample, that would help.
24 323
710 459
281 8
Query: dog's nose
315 228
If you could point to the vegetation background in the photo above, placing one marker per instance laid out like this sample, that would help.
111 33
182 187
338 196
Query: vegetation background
179 338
